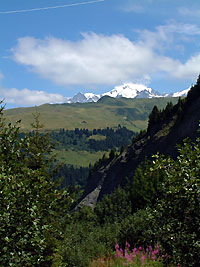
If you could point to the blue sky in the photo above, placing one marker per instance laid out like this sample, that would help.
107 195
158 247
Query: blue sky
92 46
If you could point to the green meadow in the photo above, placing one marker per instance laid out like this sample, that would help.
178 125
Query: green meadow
80 158
107 112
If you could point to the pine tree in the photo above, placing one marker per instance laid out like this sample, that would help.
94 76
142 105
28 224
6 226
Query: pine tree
154 117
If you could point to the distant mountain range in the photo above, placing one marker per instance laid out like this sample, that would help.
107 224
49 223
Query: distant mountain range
128 90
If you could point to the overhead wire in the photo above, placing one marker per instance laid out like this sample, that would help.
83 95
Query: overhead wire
51 7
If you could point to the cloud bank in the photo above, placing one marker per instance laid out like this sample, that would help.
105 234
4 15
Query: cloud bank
26 97
99 59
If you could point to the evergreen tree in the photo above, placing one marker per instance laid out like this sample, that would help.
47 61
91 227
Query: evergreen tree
154 115
29 202
112 154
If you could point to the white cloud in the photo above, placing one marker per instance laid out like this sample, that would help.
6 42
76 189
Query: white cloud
99 59
190 69
170 33
96 59
185 11
180 28
26 97
133 7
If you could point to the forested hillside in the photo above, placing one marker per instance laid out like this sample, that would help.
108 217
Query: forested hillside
166 128
92 140
79 149
139 207
144 199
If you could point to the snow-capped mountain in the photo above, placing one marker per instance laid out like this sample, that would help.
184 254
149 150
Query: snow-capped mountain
128 90
131 90
83 98
181 93
92 97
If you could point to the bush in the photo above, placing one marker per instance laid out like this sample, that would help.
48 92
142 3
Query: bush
114 207
145 186
137 229
29 201
84 242
177 215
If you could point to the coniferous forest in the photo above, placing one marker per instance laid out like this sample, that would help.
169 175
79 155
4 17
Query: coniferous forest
152 219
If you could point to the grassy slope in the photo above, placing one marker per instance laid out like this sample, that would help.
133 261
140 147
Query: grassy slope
79 158
108 112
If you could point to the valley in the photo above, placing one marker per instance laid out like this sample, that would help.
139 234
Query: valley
99 133
107 112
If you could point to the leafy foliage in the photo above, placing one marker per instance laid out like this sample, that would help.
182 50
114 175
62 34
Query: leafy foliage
178 213
145 186
160 205
29 202
114 207
85 240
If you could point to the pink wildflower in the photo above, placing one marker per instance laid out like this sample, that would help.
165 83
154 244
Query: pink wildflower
155 251
126 253
135 249
118 253
127 256
143 259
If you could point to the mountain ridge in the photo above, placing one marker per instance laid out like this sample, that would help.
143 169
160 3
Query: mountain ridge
127 90
180 121
107 112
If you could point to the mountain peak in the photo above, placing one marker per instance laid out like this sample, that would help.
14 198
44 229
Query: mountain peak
78 98
132 90
127 90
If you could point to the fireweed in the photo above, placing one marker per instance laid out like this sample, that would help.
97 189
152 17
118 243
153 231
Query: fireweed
132 257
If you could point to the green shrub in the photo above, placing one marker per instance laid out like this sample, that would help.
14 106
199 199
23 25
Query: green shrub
137 229
177 215
114 207
30 205
84 242
145 186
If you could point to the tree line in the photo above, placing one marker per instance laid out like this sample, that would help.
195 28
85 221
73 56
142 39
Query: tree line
81 139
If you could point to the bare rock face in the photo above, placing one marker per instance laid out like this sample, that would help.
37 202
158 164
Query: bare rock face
162 139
